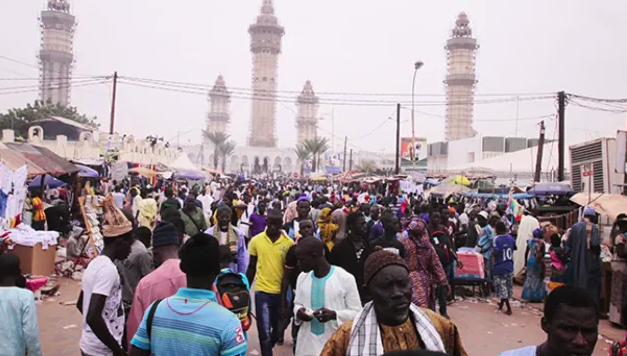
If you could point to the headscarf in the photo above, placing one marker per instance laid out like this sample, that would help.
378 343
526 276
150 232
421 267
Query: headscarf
327 227
418 227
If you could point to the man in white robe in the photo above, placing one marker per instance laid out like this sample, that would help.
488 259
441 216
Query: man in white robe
326 297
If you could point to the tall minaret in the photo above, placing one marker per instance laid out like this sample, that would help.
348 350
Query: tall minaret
55 57
219 98
265 46
461 51
307 120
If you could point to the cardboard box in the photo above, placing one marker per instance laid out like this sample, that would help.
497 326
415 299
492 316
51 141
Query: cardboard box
35 260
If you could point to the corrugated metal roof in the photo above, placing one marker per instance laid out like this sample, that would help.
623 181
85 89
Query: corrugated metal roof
66 122
14 160
44 158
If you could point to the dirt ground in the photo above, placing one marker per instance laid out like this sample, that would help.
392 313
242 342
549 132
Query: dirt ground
484 331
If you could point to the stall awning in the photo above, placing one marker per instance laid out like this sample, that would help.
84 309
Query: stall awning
49 161
14 160
609 205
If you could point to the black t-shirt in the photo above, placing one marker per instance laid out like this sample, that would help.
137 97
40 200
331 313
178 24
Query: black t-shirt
387 244
291 262
444 248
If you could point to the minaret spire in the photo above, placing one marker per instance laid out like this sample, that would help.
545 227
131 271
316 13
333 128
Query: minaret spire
265 46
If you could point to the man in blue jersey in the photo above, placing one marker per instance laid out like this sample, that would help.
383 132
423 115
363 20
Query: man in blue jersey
191 322
503 270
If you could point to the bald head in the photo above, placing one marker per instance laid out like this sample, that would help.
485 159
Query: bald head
310 253
310 246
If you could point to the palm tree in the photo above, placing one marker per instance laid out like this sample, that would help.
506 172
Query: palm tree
316 146
226 150
303 154
367 166
217 139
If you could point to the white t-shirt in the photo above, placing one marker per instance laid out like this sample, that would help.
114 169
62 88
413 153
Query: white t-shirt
118 198
101 277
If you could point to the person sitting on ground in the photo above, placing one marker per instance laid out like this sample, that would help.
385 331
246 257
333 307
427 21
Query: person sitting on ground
392 322
191 322
19 329
571 322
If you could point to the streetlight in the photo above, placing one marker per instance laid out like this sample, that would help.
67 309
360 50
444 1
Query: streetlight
412 151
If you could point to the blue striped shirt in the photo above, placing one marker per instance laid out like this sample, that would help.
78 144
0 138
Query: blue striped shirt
190 323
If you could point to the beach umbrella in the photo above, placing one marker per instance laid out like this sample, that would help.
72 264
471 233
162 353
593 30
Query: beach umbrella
86 172
49 181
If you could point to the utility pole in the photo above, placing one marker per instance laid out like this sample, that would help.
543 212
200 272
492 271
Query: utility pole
561 111
397 167
350 163
344 165
115 88
539 157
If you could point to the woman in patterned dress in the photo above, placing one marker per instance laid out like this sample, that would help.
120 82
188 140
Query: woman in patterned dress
534 290
425 270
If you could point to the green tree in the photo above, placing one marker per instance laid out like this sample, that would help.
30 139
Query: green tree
19 119
226 150
302 154
217 139
316 146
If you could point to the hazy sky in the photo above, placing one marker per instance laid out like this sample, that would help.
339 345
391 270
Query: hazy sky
341 46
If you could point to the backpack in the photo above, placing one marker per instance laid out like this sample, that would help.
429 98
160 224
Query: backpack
234 293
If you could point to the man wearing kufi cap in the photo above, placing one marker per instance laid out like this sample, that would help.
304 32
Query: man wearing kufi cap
163 281
390 321
584 244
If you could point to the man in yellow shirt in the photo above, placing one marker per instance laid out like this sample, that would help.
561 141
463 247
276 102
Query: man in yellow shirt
267 257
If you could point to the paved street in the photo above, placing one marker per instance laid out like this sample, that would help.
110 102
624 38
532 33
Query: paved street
484 331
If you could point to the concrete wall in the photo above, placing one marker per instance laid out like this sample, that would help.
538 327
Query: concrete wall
131 150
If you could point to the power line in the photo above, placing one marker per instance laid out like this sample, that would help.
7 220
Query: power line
588 98
248 90
68 85
18 62
331 101
54 85
387 119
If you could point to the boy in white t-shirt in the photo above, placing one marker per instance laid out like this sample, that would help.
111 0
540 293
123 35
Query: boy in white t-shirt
100 300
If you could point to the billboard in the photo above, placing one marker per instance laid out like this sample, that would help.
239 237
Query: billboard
418 153
109 143
332 163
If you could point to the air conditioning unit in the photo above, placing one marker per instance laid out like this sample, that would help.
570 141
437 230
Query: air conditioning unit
593 167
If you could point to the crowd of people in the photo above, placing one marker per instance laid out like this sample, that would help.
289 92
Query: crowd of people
354 270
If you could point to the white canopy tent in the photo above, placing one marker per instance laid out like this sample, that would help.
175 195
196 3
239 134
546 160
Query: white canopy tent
183 163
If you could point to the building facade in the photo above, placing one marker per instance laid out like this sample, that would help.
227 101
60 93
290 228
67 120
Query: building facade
219 100
56 56
265 35
461 50
307 120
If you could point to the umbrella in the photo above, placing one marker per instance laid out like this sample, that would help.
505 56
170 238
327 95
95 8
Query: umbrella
143 171
191 175
49 181
319 179
458 179
551 189
86 172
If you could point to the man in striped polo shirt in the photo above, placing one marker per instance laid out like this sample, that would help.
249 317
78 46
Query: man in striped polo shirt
191 322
